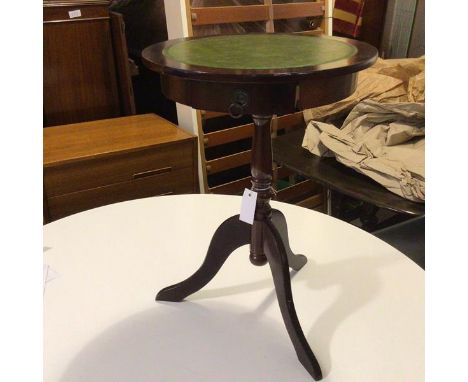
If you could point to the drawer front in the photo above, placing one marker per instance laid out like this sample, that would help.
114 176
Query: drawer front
177 182
118 168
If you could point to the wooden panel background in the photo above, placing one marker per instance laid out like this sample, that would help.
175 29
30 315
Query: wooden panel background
86 74
79 84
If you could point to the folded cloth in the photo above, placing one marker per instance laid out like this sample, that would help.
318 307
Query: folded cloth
387 81
381 140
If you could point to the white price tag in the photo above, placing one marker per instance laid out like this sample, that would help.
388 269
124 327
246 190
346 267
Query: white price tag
249 202
74 14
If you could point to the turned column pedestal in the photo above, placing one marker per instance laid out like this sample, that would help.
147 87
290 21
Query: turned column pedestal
269 243
260 75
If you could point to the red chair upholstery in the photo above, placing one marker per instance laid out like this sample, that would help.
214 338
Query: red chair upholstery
347 17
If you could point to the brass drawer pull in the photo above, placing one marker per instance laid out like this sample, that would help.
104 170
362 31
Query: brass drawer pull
144 174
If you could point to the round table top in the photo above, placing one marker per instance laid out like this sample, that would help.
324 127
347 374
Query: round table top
360 302
268 55
259 51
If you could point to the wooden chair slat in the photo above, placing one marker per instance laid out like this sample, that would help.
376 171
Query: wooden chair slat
230 161
211 114
228 135
229 15
234 187
314 32
297 10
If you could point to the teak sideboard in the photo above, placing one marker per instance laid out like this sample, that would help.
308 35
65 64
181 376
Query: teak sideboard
91 164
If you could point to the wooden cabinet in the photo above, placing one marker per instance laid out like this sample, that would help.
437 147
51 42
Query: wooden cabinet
92 164
86 72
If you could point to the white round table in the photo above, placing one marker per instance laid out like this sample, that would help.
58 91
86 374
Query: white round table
360 302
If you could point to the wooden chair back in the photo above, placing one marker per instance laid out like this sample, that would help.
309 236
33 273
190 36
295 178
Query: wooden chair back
261 14
225 145
230 173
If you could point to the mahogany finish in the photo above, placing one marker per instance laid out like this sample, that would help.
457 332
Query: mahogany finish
261 93
154 59
269 91
91 164
262 174
214 95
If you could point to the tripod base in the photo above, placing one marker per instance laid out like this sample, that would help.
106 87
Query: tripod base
232 234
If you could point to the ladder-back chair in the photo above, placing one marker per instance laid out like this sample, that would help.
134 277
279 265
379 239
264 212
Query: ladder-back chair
225 143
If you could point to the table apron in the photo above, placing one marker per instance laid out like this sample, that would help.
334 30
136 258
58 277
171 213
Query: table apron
323 90
262 98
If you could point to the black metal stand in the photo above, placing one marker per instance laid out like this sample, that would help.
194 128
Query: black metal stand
269 242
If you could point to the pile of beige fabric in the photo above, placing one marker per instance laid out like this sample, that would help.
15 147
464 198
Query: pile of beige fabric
383 133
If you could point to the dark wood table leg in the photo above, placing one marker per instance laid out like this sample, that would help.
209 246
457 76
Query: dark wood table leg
296 262
230 235
270 228
269 242
278 259
262 175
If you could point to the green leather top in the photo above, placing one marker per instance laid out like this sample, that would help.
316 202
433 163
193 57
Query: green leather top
259 51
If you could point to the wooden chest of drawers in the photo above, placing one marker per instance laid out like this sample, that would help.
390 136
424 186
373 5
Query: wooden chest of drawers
92 164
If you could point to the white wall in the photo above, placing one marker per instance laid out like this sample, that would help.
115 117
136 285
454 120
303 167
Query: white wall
177 28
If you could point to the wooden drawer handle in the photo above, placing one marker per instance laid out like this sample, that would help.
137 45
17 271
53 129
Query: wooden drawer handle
144 174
